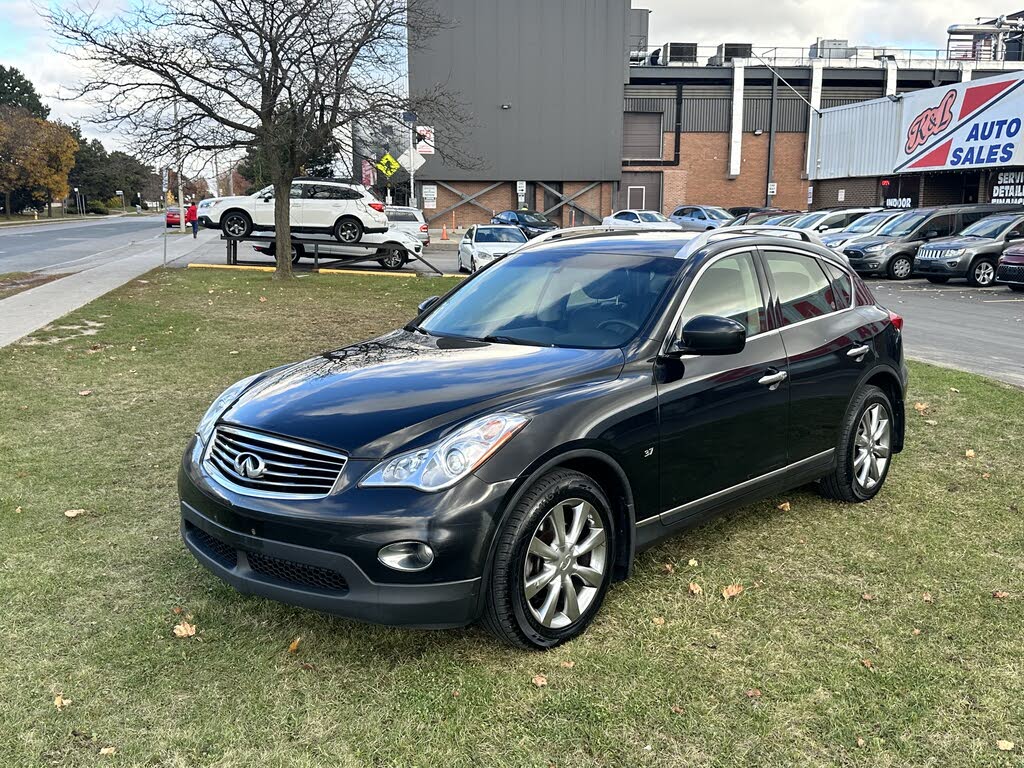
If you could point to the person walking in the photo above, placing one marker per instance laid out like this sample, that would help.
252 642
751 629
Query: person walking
192 217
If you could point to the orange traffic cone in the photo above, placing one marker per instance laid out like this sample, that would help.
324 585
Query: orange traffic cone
444 231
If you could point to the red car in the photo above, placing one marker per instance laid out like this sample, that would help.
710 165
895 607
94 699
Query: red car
1010 269
173 217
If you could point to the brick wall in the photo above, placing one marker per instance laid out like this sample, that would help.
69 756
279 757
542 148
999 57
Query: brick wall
859 192
702 173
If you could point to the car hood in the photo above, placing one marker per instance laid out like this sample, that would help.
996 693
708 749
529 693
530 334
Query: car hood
496 248
867 242
405 388
952 243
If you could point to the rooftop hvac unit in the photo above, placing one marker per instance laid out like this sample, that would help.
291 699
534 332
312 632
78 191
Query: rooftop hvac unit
729 51
679 53
831 49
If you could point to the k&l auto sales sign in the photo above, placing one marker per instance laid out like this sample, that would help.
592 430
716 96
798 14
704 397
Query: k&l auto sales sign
968 125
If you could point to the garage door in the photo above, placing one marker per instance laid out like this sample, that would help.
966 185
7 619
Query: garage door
639 190
641 136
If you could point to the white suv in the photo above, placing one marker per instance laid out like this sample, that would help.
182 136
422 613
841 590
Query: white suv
344 210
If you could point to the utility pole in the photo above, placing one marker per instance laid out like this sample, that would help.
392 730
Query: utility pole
410 118
177 152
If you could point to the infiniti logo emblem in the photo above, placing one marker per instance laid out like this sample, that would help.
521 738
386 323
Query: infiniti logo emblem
250 465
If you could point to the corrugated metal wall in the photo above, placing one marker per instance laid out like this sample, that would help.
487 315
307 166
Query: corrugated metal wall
707 108
858 140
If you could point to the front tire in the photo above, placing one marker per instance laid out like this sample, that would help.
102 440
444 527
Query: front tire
552 562
982 273
864 450
236 224
348 230
392 258
900 267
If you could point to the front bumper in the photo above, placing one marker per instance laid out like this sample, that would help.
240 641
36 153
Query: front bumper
867 264
376 230
207 223
322 553
941 267
1009 273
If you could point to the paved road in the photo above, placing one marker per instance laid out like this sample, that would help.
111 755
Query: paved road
72 247
976 329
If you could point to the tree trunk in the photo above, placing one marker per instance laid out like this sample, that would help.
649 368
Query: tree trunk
7 204
282 226
49 206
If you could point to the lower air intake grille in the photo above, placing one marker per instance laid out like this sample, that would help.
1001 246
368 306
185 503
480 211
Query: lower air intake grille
212 546
300 574
1011 272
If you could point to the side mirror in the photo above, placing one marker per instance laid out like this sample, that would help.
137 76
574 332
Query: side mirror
267 198
931 233
710 335
427 304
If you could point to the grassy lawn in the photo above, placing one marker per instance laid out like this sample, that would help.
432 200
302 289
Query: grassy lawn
866 635
16 282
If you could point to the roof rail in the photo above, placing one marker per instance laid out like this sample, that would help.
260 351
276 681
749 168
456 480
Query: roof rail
597 230
724 233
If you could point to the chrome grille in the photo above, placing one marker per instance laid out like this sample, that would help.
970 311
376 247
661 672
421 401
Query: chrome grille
256 464
930 253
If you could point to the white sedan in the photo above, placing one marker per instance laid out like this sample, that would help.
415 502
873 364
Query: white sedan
639 219
394 249
485 243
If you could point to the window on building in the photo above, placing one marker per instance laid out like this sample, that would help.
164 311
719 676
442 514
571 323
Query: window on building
641 136
803 290
729 288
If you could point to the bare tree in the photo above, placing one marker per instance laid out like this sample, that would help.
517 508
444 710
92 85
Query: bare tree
278 76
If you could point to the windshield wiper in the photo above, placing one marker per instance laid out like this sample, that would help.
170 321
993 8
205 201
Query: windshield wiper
502 339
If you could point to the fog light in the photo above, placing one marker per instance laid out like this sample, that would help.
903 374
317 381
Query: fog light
406 556
872 264
952 263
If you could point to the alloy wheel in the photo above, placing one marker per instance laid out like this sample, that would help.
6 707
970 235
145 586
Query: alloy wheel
872 447
984 273
392 258
565 563
348 231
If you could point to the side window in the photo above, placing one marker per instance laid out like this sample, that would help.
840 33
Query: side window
969 217
470 234
729 288
802 288
628 216
699 215
296 191
941 224
842 287
681 212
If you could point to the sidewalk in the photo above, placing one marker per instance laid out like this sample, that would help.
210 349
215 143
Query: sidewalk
30 310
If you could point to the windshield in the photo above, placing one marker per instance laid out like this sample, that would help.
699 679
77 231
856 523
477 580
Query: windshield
718 213
532 218
867 223
650 216
993 226
905 224
564 297
499 235
809 220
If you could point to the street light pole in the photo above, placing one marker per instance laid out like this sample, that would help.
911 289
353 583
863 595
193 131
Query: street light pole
177 152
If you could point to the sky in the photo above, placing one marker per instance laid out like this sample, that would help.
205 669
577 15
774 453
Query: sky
26 43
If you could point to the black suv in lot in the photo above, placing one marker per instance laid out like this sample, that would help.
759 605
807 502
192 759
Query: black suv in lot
891 252
504 456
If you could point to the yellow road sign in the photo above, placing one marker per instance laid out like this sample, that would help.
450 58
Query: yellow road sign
388 165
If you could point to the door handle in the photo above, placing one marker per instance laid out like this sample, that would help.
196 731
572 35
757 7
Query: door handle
858 353
772 380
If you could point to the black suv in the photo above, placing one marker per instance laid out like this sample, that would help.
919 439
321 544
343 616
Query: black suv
532 223
891 252
504 456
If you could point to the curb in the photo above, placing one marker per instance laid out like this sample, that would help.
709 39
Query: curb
322 271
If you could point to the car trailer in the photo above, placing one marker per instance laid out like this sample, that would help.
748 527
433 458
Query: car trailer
313 244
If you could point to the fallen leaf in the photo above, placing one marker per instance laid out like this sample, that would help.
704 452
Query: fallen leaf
85 392
860 742
540 681
867 663
675 709
233 352
695 588
915 631
17 510
969 453
307 665
107 750
293 646
1004 745
668 568
954 389
134 349
921 407
184 629
733 590
927 597
784 506
658 621
986 475
262 299
930 422
693 563
567 664
72 513
60 702
999 594
867 597
177 610
754 693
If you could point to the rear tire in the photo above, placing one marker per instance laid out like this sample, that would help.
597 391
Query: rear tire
297 253
541 592
938 280
392 257
236 224
900 267
348 230
982 273
864 453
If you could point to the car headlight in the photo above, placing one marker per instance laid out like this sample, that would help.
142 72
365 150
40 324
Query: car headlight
837 243
216 410
876 248
954 253
448 461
